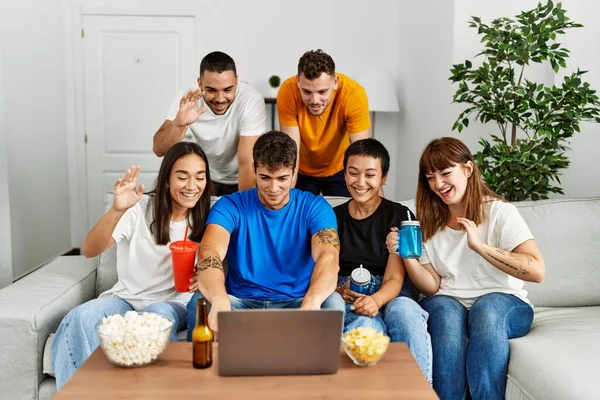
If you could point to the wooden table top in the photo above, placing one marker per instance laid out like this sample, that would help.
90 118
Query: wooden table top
396 376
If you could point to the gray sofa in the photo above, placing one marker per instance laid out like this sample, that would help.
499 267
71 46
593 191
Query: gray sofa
556 360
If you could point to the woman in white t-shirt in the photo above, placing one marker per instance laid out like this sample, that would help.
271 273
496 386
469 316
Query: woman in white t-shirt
477 251
142 227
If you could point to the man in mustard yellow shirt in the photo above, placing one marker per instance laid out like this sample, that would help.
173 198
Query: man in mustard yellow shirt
323 112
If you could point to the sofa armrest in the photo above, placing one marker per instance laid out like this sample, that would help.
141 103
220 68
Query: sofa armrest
31 309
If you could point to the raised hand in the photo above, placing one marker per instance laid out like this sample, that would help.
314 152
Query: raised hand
126 195
473 237
188 113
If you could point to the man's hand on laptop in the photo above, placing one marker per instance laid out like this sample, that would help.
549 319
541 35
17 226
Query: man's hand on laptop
217 304
310 303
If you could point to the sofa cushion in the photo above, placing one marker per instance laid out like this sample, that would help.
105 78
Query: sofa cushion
558 358
47 389
568 234
47 367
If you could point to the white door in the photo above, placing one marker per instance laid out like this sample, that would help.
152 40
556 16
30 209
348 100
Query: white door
134 66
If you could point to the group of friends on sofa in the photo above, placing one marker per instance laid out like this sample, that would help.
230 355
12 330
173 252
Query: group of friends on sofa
456 306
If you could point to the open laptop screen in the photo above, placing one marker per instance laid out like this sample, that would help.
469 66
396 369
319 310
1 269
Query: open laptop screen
279 342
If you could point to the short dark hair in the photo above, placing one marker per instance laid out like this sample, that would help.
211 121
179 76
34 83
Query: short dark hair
275 150
162 204
217 61
314 62
370 148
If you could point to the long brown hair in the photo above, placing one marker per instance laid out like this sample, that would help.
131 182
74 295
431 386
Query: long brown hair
161 203
432 212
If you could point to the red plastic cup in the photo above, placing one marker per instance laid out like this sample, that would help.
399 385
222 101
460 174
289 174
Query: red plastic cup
183 255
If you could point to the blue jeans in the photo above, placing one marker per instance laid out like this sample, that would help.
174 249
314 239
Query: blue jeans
334 185
402 319
470 347
76 337
333 302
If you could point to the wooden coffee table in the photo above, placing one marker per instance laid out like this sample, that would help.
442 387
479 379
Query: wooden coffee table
396 376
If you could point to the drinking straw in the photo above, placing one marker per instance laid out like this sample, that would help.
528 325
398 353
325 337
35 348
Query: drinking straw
185 235
361 270
408 213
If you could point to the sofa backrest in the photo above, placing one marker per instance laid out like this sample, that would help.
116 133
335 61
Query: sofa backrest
566 230
568 234
107 261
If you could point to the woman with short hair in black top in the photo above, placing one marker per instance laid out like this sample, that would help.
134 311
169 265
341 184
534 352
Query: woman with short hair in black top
363 223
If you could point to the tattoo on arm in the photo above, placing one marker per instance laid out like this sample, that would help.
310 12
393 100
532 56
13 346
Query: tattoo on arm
329 236
209 262
518 269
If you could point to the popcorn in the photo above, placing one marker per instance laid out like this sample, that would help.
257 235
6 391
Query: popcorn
135 338
365 345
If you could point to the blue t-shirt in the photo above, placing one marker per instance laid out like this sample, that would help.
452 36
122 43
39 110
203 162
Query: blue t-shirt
269 252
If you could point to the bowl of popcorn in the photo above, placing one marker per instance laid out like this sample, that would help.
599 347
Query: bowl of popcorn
365 346
134 339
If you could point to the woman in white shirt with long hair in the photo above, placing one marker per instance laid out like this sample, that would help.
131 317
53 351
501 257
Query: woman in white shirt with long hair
477 251
142 227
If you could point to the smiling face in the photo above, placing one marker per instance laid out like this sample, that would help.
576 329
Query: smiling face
186 183
364 177
450 184
317 93
219 89
274 186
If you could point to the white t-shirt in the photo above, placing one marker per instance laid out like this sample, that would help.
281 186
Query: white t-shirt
219 135
144 268
465 274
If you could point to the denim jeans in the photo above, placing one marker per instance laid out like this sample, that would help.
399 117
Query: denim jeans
470 347
76 337
402 319
333 302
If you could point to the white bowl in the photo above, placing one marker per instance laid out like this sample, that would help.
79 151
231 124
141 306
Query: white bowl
134 341
365 346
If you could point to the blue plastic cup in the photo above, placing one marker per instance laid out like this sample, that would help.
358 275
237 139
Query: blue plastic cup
410 241
360 280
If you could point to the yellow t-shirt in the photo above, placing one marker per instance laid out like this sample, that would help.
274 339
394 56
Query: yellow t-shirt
324 138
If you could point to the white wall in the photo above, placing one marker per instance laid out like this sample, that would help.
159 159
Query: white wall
404 38
425 53
411 41
581 178
582 42
414 42
34 91
5 250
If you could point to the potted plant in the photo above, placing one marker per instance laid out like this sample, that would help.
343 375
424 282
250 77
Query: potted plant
274 82
524 160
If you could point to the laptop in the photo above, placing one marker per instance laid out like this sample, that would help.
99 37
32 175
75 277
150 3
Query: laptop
279 342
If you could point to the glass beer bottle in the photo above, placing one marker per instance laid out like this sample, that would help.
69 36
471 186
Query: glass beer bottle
202 337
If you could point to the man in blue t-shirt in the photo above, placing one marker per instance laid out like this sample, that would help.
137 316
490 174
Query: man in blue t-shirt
281 244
